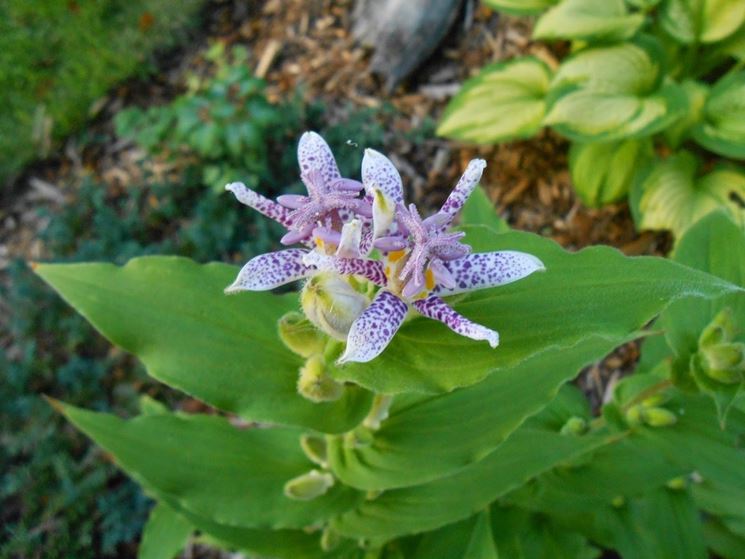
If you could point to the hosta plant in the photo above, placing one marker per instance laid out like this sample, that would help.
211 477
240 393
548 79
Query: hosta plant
412 399
650 96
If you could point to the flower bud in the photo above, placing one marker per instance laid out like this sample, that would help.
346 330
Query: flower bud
330 539
332 304
618 501
724 362
378 412
309 486
634 416
677 483
719 330
315 384
574 426
658 417
314 447
299 335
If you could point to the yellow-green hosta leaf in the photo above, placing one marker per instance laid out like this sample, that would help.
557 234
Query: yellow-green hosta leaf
165 534
706 21
673 197
233 476
172 314
722 129
588 20
531 314
504 101
520 7
696 93
602 173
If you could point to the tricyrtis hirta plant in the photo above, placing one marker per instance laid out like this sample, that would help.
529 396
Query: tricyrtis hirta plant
651 97
365 416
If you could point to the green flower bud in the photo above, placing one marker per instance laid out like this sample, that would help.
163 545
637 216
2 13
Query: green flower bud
677 483
332 304
300 336
618 501
330 539
378 412
315 384
314 447
719 330
724 362
634 416
658 417
574 426
309 486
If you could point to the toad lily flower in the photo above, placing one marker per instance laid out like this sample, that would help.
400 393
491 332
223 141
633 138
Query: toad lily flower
424 261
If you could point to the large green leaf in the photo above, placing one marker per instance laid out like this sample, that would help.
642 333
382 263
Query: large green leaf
613 92
706 21
172 314
594 292
423 440
232 476
672 196
503 102
165 534
520 7
588 20
469 539
722 128
602 173
479 210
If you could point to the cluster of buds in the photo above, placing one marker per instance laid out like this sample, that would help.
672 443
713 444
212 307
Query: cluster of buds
368 259
719 357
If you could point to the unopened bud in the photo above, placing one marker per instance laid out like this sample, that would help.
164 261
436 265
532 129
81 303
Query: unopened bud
724 362
719 330
574 426
618 501
314 447
658 417
378 412
300 336
332 304
330 539
309 486
315 384
634 415
677 483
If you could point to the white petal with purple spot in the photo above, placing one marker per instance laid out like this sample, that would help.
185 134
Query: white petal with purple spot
373 330
437 309
263 205
379 172
463 189
314 154
489 269
271 270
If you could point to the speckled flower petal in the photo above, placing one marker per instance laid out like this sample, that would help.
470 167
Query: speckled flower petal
374 328
314 154
259 203
372 270
437 309
489 269
463 189
271 270
379 172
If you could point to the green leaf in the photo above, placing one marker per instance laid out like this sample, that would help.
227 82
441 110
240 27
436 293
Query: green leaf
605 293
613 92
213 469
526 454
722 128
602 172
588 20
520 7
671 196
706 21
722 541
469 539
479 210
696 93
424 431
173 315
503 102
165 534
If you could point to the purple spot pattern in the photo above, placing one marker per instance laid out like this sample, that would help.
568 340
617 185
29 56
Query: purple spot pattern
261 204
373 330
271 270
379 172
313 153
488 269
463 188
437 309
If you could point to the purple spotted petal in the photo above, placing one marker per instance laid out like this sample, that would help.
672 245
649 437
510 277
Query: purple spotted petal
374 328
292 201
463 189
372 270
435 308
314 154
379 172
489 269
271 270
261 204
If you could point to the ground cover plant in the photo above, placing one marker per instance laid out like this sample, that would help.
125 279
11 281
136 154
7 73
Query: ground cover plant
650 96
360 429
58 58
